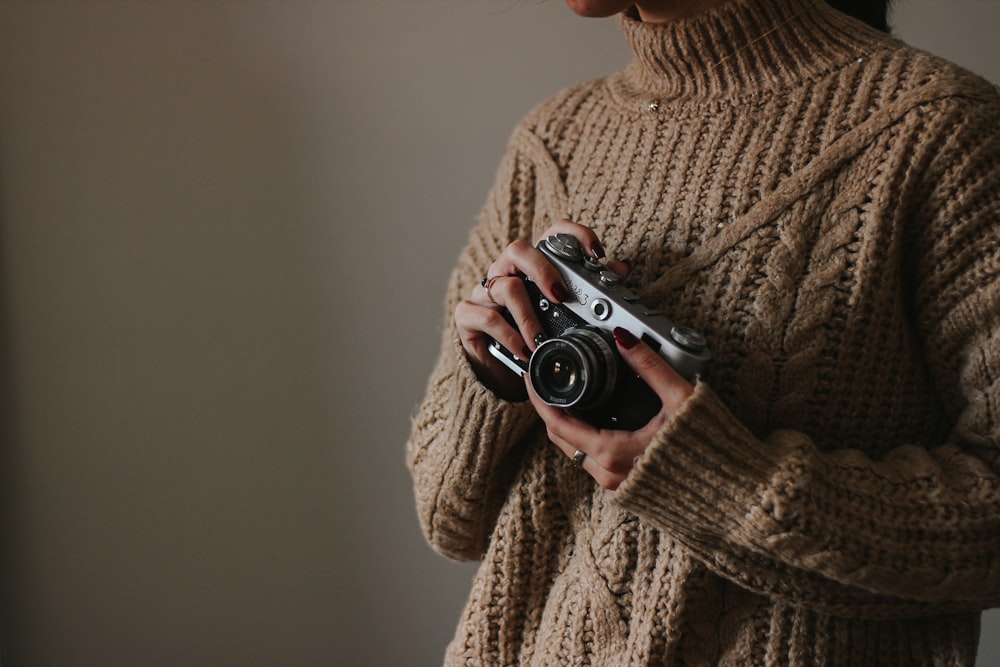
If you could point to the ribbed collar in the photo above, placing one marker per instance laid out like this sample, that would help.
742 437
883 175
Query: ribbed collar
738 49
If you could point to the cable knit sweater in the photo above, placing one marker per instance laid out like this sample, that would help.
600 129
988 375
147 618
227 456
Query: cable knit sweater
823 204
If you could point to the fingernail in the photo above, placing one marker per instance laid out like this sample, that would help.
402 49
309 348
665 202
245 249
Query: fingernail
599 250
625 338
561 293
525 352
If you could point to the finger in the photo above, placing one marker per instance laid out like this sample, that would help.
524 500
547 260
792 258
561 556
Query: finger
668 384
592 464
475 321
558 423
611 449
610 454
522 258
561 425
606 478
510 293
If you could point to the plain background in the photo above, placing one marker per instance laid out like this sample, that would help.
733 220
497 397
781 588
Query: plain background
226 229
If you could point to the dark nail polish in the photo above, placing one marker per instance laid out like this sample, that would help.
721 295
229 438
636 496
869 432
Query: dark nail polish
561 293
525 352
625 338
599 251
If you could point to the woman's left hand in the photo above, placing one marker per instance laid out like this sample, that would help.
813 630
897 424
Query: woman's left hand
609 455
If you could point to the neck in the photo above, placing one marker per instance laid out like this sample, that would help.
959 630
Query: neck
662 11
739 48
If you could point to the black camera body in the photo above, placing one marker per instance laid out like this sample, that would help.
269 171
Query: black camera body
578 366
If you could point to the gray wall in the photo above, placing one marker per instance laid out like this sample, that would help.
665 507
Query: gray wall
225 230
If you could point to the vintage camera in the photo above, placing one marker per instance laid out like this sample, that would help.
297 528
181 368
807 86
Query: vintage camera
578 366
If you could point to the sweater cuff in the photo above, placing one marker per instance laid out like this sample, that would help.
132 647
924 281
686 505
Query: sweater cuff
461 436
702 473
482 420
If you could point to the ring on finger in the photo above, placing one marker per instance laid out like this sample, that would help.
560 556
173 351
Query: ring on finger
488 284
578 458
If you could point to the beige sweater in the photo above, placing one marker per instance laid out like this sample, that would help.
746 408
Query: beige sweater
824 205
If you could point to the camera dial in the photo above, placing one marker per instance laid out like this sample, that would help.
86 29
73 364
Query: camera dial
565 246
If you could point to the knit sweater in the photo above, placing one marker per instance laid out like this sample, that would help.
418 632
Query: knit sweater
822 203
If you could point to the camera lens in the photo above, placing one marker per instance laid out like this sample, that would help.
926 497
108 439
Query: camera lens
577 369
560 374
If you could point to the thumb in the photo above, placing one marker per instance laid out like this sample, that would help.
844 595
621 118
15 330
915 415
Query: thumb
668 384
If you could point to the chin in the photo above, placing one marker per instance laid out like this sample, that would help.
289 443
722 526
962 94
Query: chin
598 8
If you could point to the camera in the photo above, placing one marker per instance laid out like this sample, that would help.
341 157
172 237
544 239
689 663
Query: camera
578 367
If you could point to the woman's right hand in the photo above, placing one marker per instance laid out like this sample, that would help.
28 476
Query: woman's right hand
479 318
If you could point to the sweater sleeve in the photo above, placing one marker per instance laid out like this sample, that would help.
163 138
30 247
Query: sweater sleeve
916 532
462 447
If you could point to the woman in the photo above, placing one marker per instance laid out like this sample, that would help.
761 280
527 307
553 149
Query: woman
821 202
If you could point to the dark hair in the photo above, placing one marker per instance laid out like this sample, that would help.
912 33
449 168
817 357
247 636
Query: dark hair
873 12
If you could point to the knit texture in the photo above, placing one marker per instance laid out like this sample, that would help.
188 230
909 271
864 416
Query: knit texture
823 205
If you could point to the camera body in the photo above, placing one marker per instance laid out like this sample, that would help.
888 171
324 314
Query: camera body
578 366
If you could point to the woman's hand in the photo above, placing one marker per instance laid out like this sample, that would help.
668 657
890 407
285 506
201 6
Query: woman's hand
609 455
479 318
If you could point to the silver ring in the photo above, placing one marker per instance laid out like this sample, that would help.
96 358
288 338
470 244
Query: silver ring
578 459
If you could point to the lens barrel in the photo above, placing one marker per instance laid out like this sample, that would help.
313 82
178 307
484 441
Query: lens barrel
578 369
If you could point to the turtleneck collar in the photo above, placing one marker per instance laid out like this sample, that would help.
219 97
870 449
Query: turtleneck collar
738 49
